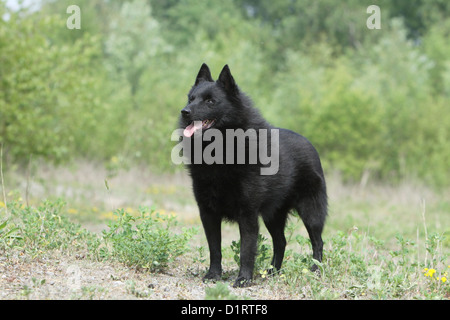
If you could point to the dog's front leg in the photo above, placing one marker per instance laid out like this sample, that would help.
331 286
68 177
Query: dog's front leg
248 228
211 225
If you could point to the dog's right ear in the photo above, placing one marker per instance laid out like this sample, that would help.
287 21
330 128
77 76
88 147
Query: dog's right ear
204 74
227 81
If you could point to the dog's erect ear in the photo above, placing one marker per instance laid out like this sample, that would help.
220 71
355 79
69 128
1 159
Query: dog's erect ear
227 81
204 74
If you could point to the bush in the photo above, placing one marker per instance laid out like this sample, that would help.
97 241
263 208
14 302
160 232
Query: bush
146 241
38 230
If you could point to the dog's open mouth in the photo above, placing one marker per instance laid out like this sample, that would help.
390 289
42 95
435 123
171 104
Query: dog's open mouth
196 125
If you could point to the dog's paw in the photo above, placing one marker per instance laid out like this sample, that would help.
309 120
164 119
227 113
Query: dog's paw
316 270
212 276
273 271
242 282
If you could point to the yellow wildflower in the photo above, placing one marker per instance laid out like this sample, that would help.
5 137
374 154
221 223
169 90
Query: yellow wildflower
429 272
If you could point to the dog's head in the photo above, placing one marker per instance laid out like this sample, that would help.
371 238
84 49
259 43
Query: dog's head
210 103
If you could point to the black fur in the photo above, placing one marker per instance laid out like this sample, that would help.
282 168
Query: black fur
238 192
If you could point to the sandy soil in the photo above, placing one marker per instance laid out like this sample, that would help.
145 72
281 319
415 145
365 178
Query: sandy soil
73 277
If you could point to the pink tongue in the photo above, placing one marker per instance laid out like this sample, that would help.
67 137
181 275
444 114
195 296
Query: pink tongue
190 129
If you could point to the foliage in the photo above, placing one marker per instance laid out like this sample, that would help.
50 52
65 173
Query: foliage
144 242
372 101
355 266
147 241
133 41
48 91
220 292
37 231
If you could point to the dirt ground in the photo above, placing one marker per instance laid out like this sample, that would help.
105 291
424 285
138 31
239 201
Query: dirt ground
66 277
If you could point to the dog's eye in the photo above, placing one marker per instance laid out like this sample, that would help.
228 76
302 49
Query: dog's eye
190 99
209 101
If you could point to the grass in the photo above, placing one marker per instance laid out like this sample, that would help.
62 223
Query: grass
381 242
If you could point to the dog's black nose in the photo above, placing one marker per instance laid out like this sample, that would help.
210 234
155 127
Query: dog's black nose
186 111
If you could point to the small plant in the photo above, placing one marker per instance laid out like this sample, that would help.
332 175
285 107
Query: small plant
137 292
219 292
437 280
434 243
262 255
8 233
37 283
146 241
404 252
199 259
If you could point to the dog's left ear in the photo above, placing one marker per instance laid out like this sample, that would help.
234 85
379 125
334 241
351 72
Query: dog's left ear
227 80
203 74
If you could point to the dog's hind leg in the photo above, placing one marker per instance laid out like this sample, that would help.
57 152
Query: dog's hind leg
248 229
275 225
313 211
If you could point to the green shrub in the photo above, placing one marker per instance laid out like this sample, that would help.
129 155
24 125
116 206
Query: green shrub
38 230
219 292
147 241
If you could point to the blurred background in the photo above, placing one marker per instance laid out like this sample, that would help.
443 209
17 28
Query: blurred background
87 114
375 103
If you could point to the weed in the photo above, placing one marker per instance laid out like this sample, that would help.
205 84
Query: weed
138 293
198 260
404 252
146 241
262 256
357 266
37 283
36 230
8 233
220 292
89 292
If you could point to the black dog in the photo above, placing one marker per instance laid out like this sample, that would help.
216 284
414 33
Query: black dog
235 187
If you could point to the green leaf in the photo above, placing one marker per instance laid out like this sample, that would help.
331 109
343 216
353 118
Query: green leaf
3 225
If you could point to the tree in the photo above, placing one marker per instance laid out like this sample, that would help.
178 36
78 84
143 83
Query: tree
45 89
134 39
